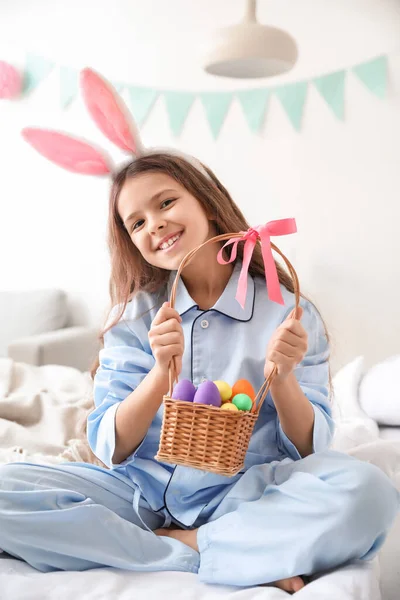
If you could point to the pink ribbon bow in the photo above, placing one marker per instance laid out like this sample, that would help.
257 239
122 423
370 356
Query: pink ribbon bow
250 237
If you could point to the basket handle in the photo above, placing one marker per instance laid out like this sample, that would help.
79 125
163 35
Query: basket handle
259 399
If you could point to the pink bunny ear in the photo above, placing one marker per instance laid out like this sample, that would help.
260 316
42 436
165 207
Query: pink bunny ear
67 152
109 112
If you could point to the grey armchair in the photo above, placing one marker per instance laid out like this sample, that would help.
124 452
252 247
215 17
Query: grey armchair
71 346
34 328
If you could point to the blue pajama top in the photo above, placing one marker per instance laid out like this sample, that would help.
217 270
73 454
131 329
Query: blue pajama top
224 342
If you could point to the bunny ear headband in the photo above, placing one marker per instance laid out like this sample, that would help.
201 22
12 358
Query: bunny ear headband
112 117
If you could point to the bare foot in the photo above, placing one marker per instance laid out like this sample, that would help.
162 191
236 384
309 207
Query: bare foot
186 536
291 584
189 537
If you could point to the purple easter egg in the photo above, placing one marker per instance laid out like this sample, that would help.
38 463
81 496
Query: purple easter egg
208 393
184 390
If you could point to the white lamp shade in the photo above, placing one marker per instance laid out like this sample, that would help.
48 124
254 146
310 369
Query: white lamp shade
251 50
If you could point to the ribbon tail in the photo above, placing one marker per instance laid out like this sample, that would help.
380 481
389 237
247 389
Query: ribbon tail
242 284
272 280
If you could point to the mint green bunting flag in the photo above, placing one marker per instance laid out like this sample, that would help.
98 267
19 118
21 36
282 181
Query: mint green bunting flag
292 97
178 105
254 103
141 102
69 79
36 69
216 105
331 88
373 74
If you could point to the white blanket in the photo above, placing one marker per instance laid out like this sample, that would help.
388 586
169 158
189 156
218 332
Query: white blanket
43 413
42 418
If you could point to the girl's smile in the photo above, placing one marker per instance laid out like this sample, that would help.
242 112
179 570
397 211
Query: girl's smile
169 242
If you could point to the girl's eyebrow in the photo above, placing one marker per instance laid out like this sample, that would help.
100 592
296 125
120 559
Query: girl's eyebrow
155 197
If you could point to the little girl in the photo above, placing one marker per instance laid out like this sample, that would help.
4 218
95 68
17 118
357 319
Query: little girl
295 509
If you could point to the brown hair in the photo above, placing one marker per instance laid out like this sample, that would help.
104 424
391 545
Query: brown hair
130 272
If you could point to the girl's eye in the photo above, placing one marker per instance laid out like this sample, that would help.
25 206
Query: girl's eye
166 202
136 224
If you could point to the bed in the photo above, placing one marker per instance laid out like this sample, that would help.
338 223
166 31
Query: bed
42 415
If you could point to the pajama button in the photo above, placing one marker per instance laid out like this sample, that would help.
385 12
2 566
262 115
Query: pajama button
204 324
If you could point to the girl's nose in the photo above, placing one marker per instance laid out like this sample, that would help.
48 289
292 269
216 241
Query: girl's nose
156 225
156 228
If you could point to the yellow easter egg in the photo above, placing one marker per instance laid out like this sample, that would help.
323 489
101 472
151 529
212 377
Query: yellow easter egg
229 406
225 390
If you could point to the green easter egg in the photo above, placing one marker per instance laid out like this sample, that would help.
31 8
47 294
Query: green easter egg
242 401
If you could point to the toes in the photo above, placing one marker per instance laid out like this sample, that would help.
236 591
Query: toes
297 584
291 584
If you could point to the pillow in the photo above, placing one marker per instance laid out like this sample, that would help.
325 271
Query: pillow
345 390
380 392
352 426
29 312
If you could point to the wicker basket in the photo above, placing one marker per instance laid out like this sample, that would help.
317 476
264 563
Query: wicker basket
204 436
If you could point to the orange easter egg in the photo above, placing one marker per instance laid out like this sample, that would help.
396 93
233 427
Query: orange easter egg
242 386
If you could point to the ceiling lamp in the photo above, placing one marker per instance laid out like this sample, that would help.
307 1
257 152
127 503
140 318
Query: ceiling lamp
250 49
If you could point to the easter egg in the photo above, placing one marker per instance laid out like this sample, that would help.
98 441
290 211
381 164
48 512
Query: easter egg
184 390
230 407
208 393
242 401
224 389
242 386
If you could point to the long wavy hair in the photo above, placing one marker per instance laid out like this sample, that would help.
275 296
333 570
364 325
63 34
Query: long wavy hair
130 272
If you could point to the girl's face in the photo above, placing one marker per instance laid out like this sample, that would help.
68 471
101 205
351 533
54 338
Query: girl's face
163 220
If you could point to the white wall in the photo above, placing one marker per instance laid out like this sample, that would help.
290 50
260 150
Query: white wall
341 181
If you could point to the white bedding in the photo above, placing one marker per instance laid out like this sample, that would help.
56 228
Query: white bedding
42 411
390 433
18 581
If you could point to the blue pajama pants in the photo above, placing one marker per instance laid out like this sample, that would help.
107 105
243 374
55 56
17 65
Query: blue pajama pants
279 520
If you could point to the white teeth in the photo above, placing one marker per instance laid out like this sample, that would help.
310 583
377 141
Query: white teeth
169 243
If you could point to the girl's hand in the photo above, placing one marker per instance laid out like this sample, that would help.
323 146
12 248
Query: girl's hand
287 347
166 338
